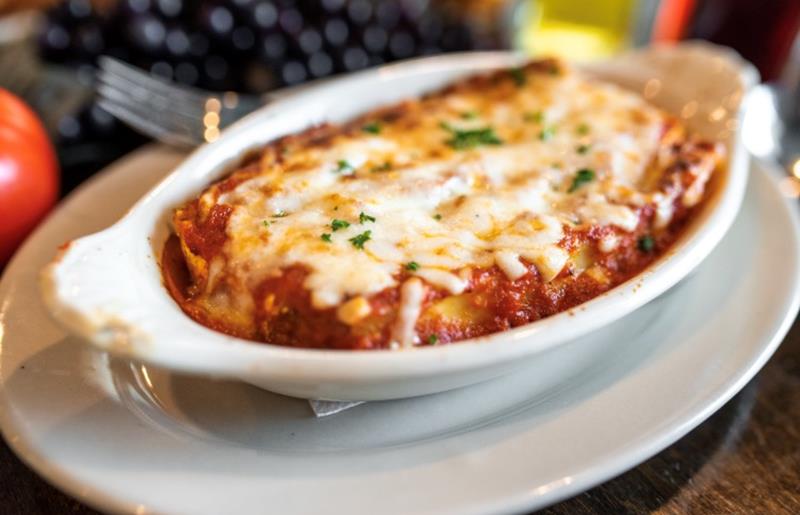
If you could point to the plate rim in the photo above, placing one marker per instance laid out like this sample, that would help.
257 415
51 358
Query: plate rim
60 476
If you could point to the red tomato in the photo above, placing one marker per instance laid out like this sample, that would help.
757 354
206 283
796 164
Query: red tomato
28 173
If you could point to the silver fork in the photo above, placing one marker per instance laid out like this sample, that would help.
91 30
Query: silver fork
177 115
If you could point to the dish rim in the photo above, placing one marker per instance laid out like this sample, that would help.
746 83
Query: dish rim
698 239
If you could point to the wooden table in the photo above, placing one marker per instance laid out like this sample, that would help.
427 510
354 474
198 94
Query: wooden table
744 459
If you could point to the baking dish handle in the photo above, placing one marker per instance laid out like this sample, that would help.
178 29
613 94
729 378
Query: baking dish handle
92 290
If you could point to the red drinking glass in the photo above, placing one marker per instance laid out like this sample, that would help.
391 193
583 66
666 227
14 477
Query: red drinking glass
763 31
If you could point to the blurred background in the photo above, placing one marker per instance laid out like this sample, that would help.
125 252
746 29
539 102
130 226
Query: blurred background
49 49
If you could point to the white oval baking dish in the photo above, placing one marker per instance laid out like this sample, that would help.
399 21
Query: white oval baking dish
107 286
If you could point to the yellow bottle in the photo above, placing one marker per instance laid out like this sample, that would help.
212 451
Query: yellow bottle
575 29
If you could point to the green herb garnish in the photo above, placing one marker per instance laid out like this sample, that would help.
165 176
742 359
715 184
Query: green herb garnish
372 128
433 339
466 139
646 243
364 218
518 75
280 214
582 149
582 177
437 216
343 166
547 133
359 240
412 265
469 115
326 237
583 129
337 224
265 222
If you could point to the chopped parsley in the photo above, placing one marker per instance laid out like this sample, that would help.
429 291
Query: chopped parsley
342 166
359 240
583 129
372 128
518 75
583 176
412 265
385 167
337 224
582 149
433 339
469 115
326 237
437 216
280 214
471 138
547 133
535 117
364 218
646 243
265 222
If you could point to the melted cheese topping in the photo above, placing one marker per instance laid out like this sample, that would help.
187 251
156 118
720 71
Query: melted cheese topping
560 150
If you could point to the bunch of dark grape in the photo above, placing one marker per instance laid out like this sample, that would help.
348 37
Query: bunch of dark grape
251 45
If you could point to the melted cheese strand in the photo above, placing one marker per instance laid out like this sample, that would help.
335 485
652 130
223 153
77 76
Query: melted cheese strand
412 294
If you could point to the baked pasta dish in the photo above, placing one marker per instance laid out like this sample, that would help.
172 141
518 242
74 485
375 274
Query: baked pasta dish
495 202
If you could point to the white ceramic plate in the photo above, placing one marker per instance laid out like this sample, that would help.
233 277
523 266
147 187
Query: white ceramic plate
124 437
108 288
